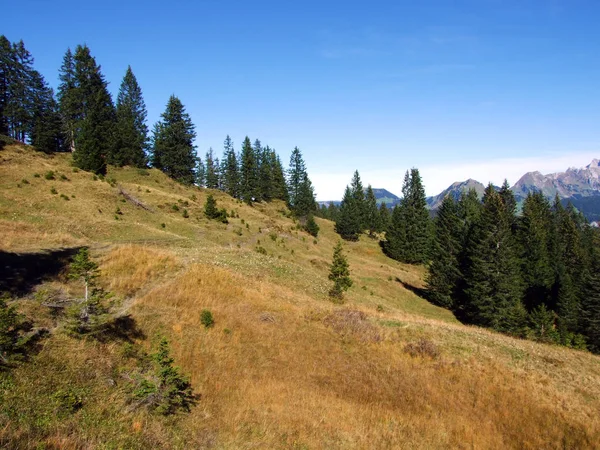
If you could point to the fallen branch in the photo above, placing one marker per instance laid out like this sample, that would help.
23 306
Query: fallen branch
132 199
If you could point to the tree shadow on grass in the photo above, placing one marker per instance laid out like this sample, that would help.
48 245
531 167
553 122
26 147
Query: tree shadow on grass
21 272
419 292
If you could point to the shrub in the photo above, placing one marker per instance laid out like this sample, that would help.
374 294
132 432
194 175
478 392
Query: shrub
24 181
68 400
423 348
206 318
185 213
10 321
261 250
163 225
36 175
49 175
143 172
166 390
53 191
118 211
65 197
174 207
63 177
75 170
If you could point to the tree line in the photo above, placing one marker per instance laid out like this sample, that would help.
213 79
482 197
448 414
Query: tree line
535 274
83 119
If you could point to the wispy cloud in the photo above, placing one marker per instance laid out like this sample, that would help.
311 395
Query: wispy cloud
437 177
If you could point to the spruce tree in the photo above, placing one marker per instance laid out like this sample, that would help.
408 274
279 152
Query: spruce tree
385 218
347 224
212 171
444 272
5 74
339 273
173 150
266 175
280 189
296 175
589 319
311 227
409 237
131 138
249 182
493 283
510 203
333 212
534 234
94 140
358 194
69 99
45 131
372 218
230 169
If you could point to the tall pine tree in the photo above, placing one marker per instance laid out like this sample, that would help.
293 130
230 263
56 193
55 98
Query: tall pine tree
229 169
131 142
94 140
409 237
249 182
173 150
493 280
444 272
347 223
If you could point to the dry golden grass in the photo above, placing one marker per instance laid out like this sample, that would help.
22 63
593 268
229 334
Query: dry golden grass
283 367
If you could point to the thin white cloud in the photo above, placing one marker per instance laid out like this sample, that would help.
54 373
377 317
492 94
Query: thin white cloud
437 177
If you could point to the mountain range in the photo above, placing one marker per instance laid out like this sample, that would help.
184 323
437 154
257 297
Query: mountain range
580 186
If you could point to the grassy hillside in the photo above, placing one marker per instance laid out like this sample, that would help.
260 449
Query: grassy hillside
283 367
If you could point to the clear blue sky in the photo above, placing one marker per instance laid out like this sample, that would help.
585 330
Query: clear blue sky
466 88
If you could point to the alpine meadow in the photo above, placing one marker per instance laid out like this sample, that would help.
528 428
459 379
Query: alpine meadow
159 294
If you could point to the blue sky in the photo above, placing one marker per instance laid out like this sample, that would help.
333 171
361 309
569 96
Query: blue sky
485 89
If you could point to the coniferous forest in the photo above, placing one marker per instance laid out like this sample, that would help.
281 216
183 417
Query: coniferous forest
530 270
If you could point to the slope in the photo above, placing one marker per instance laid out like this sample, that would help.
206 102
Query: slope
283 367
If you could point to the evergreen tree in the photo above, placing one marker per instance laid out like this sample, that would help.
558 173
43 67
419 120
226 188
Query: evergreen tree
305 201
409 237
94 140
469 211
333 212
444 271
358 194
230 169
69 101
212 171
46 128
493 280
280 189
347 224
131 129
569 269
589 319
372 218
385 218
173 149
296 175
200 173
249 182
266 175
5 75
510 203
311 226
534 234
339 273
